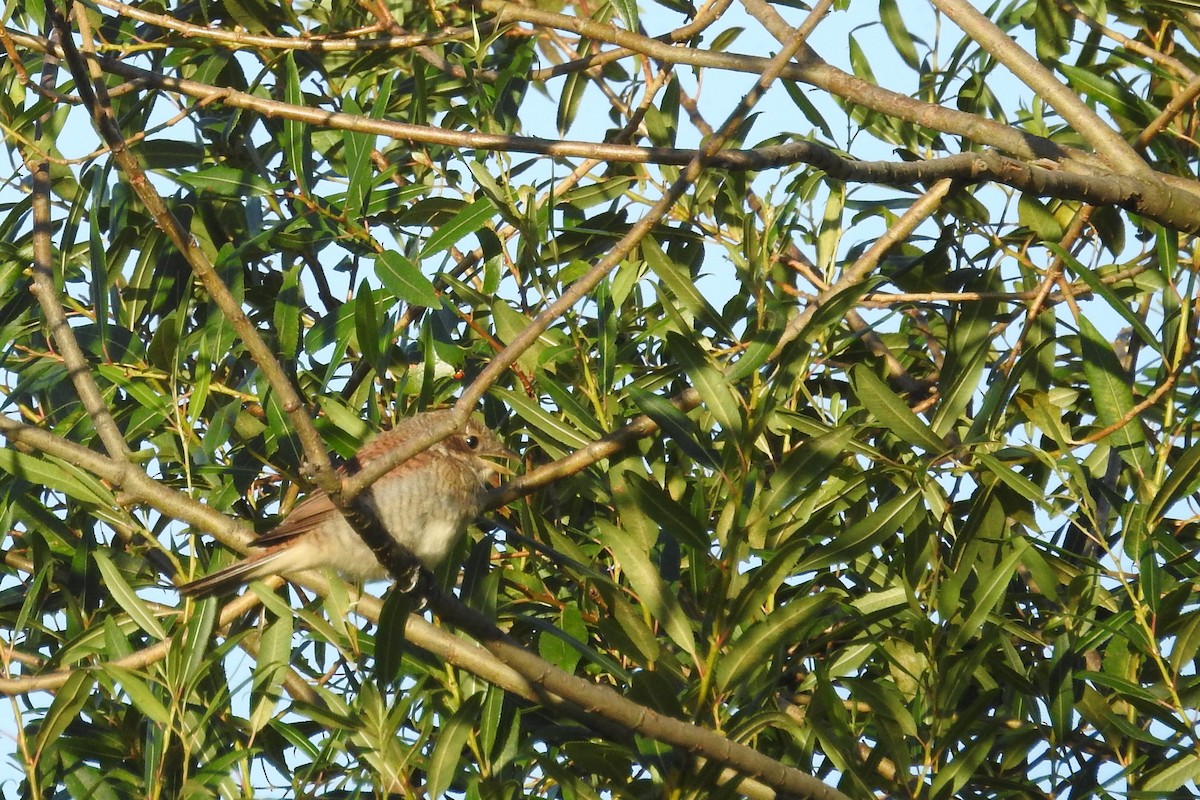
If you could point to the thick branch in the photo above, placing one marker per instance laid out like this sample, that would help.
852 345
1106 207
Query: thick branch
1061 98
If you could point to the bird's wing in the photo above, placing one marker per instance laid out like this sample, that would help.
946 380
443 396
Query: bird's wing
308 515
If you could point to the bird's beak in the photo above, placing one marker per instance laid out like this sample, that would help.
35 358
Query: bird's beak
498 455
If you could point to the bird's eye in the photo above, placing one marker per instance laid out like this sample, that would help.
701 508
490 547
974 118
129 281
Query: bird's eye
472 442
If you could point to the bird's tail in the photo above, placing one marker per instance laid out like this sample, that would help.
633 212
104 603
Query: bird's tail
226 580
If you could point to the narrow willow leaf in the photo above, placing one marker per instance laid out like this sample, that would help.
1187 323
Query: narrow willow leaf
140 694
797 93
830 314
757 645
572 93
573 411
1014 480
56 475
629 13
1108 93
860 537
662 604
636 520
716 393
966 358
367 324
358 146
1060 684
98 259
68 701
898 33
1112 396
274 653
510 323
963 383
668 512
404 279
569 640
224 181
1187 643
1106 293
675 424
296 143
885 701
887 407
681 286
451 738
755 355
542 420
1173 775
963 768
195 642
287 313
1181 481
993 583
1033 214
84 780
803 467
126 597
467 220
389 637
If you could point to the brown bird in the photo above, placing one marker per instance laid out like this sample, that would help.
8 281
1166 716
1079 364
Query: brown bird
425 504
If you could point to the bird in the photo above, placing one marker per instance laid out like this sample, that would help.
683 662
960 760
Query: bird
425 504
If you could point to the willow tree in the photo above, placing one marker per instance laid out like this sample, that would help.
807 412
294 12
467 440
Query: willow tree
850 353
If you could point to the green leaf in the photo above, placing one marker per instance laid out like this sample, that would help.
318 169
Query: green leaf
681 286
629 13
57 475
860 537
367 324
556 647
1172 776
1033 214
126 597
891 411
296 141
390 638
675 424
902 40
662 604
358 146
1118 99
287 313
467 220
274 655
224 181
804 467
1103 291
797 92
1112 396
1014 480
1181 481
452 737
993 583
714 390
68 700
541 419
510 323
668 512
573 90
140 694
859 61
755 647
405 280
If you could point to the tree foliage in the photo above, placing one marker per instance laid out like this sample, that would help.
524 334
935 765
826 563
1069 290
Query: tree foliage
851 353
